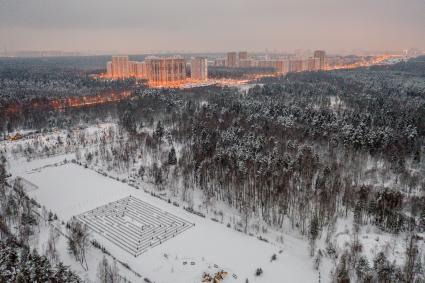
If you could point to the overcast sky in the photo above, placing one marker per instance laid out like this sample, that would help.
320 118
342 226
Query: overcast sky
136 26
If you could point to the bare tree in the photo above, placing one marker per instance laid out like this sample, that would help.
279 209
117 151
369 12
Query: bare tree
51 252
107 273
78 241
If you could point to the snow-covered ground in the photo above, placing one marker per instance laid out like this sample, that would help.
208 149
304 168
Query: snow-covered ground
70 189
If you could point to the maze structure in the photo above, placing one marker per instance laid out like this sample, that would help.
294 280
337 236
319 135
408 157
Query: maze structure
134 225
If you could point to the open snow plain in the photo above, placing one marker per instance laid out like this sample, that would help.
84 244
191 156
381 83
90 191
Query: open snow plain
71 190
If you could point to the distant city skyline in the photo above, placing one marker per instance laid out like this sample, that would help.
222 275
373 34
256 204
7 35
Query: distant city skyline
147 26
302 53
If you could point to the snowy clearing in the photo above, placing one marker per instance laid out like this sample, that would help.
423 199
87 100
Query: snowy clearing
71 190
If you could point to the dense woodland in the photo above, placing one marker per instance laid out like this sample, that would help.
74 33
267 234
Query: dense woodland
33 84
298 151
18 224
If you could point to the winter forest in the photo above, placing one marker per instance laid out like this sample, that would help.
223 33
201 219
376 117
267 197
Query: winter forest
333 159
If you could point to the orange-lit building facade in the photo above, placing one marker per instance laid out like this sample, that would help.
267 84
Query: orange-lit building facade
165 71
219 62
321 55
159 69
242 55
232 60
199 69
296 65
268 64
246 63
109 69
281 66
119 67
313 64
137 69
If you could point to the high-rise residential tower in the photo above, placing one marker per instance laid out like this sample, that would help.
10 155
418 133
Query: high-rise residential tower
321 55
232 60
199 69
140 69
120 67
162 71
243 55
109 69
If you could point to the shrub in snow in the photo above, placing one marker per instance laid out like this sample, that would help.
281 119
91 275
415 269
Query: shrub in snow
172 158
259 271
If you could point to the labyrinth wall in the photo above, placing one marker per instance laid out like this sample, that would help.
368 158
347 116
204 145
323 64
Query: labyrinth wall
134 225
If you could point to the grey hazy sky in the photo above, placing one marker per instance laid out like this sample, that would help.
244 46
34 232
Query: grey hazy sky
134 26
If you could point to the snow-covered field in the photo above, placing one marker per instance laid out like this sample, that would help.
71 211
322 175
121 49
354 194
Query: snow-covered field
70 190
